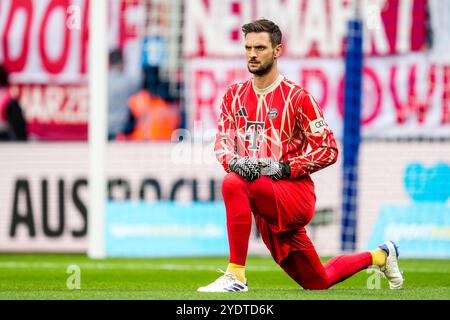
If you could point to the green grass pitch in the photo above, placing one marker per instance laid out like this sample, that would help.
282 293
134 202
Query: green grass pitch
45 276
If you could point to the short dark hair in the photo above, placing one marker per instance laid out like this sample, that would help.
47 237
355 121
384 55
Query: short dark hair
264 25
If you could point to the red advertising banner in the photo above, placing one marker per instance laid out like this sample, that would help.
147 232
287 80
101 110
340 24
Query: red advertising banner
403 96
55 112
44 44
318 28
406 78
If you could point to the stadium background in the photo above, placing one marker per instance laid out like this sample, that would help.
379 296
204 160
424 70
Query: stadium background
193 51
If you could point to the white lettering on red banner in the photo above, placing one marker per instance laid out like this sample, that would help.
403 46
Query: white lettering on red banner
44 44
310 28
403 96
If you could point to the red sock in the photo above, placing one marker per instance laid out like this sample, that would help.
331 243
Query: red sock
307 270
239 217
341 267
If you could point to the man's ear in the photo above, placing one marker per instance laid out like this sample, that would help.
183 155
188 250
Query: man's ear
277 51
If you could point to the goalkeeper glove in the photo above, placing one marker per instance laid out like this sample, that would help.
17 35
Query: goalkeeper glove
275 169
247 167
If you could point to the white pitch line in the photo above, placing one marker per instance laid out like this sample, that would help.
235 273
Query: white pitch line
150 266
118 266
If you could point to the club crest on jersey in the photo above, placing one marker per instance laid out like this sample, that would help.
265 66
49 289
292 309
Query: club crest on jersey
273 113
241 113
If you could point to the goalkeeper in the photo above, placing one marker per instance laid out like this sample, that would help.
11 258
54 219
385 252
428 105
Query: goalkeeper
265 127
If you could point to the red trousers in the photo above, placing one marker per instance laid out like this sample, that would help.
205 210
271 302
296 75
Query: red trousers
281 210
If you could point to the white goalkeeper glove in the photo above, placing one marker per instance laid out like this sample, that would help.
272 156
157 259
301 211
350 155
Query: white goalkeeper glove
247 167
274 169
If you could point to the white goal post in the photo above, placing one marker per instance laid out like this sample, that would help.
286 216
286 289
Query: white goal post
98 101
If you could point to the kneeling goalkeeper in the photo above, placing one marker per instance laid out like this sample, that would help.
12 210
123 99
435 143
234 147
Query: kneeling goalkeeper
265 128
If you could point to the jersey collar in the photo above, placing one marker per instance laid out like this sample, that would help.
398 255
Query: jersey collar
269 88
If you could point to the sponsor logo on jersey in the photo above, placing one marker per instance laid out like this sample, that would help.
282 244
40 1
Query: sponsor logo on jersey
317 125
273 113
241 113
253 134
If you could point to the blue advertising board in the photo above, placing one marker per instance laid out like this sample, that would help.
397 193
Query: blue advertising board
165 229
421 228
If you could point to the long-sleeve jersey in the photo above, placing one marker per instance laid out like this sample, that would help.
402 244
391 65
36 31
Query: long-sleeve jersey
282 122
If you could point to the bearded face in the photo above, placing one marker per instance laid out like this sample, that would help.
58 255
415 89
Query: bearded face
260 68
259 53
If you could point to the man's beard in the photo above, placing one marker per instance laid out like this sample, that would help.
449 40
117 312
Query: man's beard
262 70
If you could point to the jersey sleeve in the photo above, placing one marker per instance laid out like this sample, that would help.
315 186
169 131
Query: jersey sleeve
319 136
226 136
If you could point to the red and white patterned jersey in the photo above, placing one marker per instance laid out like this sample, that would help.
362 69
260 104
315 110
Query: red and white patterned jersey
282 122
